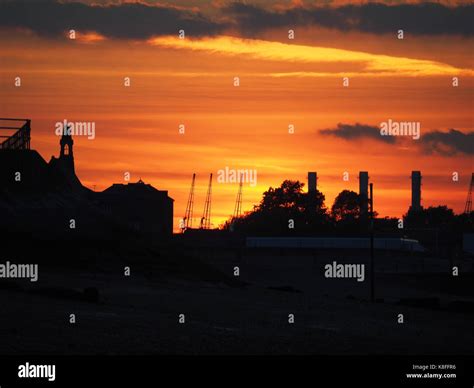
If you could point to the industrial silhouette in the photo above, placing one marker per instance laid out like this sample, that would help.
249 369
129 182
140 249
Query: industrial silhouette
188 215
468 205
138 206
415 191
238 201
206 216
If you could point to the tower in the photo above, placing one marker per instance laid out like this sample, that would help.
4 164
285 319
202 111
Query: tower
312 181
66 154
415 191
364 193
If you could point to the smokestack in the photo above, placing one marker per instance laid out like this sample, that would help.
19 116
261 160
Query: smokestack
364 192
312 181
416 191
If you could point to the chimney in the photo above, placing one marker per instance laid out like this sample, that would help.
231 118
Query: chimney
364 192
415 191
312 181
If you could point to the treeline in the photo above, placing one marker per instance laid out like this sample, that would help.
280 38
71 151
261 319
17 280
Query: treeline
287 211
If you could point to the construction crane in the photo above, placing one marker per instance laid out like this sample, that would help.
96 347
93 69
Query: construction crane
188 216
238 201
468 206
206 216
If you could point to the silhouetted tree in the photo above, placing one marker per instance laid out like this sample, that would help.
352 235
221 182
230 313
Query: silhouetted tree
288 196
280 205
346 206
434 217
465 222
437 227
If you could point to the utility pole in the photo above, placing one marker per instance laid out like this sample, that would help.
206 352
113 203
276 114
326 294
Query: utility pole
372 260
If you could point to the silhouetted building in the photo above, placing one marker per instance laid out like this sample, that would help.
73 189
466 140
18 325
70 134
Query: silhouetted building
415 191
312 181
64 164
23 170
19 137
144 208
42 197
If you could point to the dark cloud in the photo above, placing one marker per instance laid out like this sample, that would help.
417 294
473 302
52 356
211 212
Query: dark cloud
358 131
122 21
448 143
417 19
141 21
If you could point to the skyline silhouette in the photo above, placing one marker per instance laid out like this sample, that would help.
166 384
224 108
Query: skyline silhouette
236 178
164 108
219 219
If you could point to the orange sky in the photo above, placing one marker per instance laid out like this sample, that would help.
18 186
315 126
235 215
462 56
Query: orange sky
281 82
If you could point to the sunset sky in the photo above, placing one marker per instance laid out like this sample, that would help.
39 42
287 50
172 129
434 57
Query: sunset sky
283 81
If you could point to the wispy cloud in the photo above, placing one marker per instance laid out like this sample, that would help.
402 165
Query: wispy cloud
365 63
